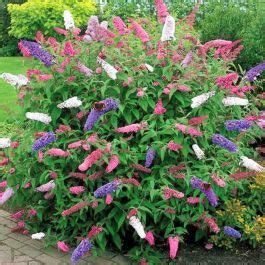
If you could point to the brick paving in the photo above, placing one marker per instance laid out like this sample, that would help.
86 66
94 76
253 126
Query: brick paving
22 250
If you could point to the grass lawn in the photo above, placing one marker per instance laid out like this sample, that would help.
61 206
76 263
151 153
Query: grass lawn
8 95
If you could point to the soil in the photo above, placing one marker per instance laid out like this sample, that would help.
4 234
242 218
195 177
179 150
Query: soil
198 255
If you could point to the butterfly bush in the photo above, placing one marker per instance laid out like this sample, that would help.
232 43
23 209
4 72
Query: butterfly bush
120 118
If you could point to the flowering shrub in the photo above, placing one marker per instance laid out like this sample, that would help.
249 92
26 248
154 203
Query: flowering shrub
137 140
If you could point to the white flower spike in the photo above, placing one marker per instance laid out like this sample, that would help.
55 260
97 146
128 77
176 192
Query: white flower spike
235 101
15 80
198 152
73 102
251 164
168 31
68 20
110 70
38 116
5 142
38 236
137 225
149 67
201 99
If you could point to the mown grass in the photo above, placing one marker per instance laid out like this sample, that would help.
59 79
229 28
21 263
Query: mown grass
8 95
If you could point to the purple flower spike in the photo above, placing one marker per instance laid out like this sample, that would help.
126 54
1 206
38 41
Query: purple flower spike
106 189
45 140
36 51
231 232
204 187
100 109
255 71
81 250
150 156
238 125
225 143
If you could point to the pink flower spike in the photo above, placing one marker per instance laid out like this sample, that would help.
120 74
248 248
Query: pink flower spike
113 163
4 162
150 238
45 77
40 156
218 181
3 184
197 120
209 246
63 247
61 31
120 26
53 175
132 212
14 145
183 88
109 199
86 147
193 200
131 128
174 146
77 190
140 92
21 224
169 193
95 230
92 138
32 212
173 246
159 109
194 132
17 215
90 160
46 187
139 31
69 49
63 128
75 145
57 152
212 225
27 185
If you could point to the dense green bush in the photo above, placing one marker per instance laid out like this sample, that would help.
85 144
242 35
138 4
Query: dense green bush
34 15
137 84
234 21
8 45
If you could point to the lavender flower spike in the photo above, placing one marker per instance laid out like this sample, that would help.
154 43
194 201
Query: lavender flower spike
106 189
187 60
224 142
7 194
100 109
81 250
150 156
204 187
252 74
36 51
42 142
238 125
231 232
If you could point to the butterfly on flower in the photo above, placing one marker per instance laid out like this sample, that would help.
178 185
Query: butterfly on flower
99 106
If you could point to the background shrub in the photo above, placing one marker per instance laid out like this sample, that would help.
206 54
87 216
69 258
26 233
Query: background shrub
8 45
234 21
34 15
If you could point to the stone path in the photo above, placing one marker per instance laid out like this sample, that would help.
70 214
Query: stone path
22 250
